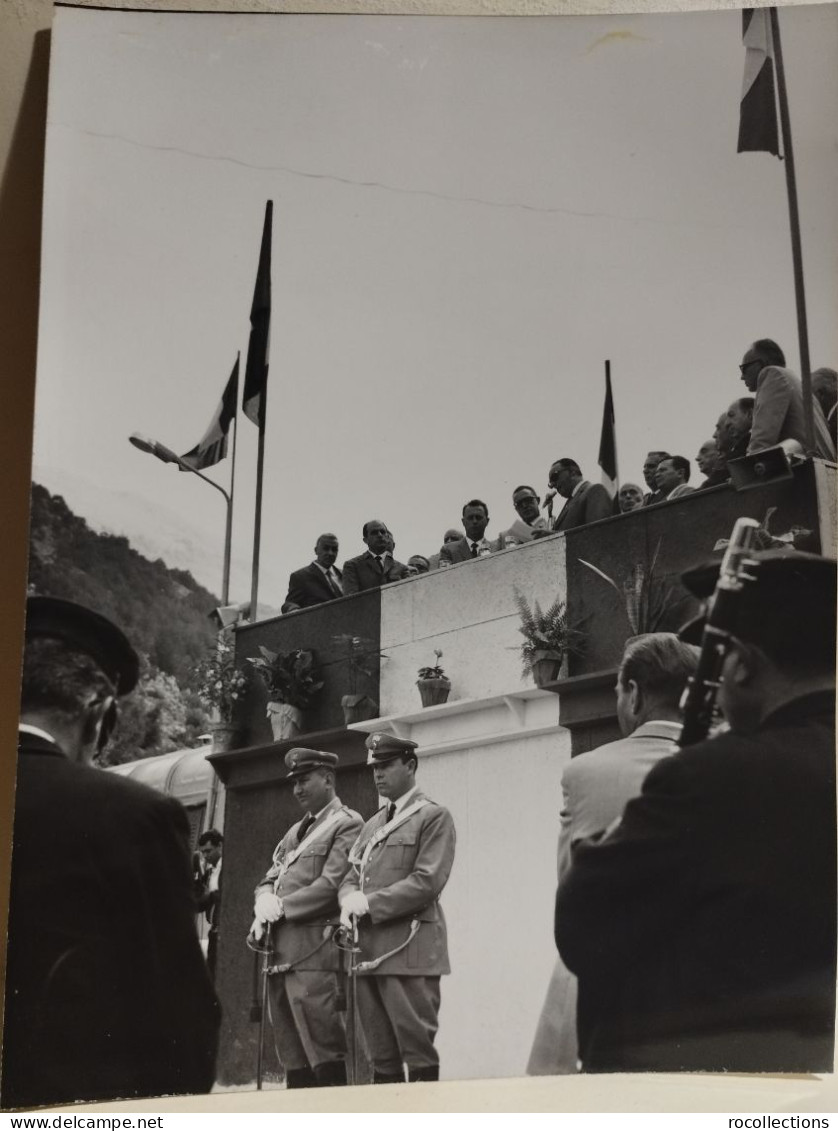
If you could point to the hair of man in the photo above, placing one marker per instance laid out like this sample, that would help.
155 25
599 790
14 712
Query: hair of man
680 463
210 836
660 664
476 503
769 352
59 679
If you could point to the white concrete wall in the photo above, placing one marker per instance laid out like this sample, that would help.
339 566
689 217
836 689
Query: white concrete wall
469 612
504 795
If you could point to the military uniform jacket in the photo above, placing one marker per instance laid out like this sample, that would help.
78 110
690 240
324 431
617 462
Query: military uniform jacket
308 887
402 880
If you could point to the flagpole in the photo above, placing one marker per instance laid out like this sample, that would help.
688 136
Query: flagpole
794 222
616 461
257 530
228 534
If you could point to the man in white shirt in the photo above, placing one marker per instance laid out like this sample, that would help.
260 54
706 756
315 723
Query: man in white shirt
474 544
529 524
316 583
671 476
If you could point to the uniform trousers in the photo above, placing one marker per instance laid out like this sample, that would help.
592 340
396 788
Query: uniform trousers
400 1017
308 1030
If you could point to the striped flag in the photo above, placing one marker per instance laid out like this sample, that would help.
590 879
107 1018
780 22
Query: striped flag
608 439
758 130
213 446
256 370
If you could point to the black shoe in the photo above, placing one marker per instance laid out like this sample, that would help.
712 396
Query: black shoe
431 1072
387 1077
330 1074
300 1078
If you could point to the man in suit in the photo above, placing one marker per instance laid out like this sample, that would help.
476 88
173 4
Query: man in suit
377 566
733 429
473 544
316 583
399 865
597 785
529 524
208 889
703 928
672 477
586 502
297 901
107 992
649 468
450 535
778 405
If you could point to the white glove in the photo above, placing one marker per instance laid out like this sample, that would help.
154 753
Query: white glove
268 907
354 904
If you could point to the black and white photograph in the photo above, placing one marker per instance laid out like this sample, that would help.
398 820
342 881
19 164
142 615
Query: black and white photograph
429 664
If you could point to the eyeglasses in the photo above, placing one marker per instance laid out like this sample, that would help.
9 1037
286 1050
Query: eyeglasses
747 364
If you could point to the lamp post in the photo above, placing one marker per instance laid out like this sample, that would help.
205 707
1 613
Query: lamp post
155 448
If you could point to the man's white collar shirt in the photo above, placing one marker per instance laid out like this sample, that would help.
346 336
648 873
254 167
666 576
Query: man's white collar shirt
330 574
405 799
25 728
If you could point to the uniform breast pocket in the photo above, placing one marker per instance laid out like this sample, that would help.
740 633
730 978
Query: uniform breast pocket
313 859
399 852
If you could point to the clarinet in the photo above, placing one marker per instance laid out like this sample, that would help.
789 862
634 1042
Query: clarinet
736 573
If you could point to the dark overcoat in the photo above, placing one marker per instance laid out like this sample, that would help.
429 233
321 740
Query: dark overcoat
107 992
308 586
703 929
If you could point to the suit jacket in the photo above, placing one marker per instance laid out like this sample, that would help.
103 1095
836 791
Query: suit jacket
703 929
308 586
460 551
778 414
309 889
591 503
108 994
523 531
679 492
402 881
361 573
597 785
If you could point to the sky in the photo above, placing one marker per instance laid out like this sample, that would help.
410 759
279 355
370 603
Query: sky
470 216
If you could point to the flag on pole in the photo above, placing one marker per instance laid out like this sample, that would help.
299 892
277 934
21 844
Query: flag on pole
212 448
608 439
758 130
256 370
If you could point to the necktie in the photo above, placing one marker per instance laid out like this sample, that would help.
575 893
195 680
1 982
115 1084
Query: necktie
305 825
379 564
474 549
333 585
391 810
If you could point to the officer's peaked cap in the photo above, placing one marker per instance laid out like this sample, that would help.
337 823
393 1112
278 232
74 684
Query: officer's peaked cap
385 747
88 632
300 760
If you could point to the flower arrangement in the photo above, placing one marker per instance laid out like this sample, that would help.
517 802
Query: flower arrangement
646 596
221 685
548 634
435 672
290 677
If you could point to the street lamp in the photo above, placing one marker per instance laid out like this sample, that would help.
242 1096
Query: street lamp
155 448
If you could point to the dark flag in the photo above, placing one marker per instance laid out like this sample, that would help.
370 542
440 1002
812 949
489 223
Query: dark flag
213 446
608 439
256 371
758 113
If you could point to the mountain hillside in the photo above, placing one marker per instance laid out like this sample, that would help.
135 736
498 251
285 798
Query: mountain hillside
162 611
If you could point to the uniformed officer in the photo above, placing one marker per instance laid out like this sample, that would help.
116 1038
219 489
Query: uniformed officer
107 992
298 898
703 928
399 865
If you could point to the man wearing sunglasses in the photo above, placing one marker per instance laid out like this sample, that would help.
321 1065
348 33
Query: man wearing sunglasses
778 408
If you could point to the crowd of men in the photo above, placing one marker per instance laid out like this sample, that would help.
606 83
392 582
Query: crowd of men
773 415
695 918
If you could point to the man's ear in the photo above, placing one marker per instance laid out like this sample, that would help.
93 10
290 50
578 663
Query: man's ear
635 697
742 664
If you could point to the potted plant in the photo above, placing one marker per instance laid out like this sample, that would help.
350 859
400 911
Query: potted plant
291 681
647 598
221 686
357 708
548 637
434 685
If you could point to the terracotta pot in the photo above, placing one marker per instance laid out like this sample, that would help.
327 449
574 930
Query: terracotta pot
546 670
225 736
434 691
358 708
285 720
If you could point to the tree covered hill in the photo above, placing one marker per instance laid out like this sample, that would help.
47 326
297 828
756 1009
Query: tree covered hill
162 611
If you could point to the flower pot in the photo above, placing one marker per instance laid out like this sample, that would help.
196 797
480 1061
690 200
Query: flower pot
433 691
358 708
546 670
285 720
225 736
